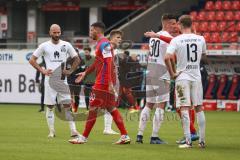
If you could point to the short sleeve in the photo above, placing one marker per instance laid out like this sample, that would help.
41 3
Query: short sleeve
106 49
71 51
204 49
39 51
171 49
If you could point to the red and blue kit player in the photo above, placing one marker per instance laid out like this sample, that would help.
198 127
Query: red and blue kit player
103 95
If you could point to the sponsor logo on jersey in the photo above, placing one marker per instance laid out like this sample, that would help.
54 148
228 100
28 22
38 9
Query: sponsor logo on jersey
107 49
56 55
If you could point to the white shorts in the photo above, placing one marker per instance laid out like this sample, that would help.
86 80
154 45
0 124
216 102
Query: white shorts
157 91
188 93
51 95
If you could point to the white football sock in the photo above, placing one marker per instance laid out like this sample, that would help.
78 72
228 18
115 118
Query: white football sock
50 119
201 125
70 120
107 121
186 125
157 121
145 114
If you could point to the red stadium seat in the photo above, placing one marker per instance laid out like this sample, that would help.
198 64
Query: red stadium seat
216 37
225 37
226 5
233 37
213 26
202 16
219 15
196 26
203 27
193 15
237 16
222 26
206 35
211 85
210 16
218 5
235 81
222 84
236 5
209 6
231 26
229 16
238 27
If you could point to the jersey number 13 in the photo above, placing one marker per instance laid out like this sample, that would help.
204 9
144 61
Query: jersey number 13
192 52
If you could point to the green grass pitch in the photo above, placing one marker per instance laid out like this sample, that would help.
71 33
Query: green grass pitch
23 136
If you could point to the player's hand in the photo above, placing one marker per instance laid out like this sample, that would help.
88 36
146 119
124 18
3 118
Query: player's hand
151 34
175 75
66 72
47 72
80 77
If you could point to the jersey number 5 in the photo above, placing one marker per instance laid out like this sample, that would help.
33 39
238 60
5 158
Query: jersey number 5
192 57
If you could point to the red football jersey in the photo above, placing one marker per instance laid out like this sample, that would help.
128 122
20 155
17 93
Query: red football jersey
103 65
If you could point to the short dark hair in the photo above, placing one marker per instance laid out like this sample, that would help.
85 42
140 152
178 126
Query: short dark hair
114 32
87 48
185 21
100 25
168 16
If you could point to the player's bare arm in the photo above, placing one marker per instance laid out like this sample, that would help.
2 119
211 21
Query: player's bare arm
173 62
168 62
151 34
33 62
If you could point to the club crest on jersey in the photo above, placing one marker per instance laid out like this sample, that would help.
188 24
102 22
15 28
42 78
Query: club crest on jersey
63 48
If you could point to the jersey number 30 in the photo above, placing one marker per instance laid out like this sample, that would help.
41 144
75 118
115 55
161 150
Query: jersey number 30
191 52
155 44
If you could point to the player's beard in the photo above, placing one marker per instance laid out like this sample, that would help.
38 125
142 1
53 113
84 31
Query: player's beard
55 38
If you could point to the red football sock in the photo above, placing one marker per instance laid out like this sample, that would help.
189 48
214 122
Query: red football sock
91 119
192 120
119 121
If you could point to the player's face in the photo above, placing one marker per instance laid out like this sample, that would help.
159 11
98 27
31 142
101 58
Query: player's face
171 25
93 33
116 39
55 33
176 31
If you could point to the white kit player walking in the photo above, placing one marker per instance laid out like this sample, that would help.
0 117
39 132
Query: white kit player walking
157 82
188 49
55 52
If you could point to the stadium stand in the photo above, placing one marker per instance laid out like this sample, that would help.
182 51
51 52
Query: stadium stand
219 22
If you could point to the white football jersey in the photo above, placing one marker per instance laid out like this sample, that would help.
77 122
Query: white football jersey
188 49
156 65
55 54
